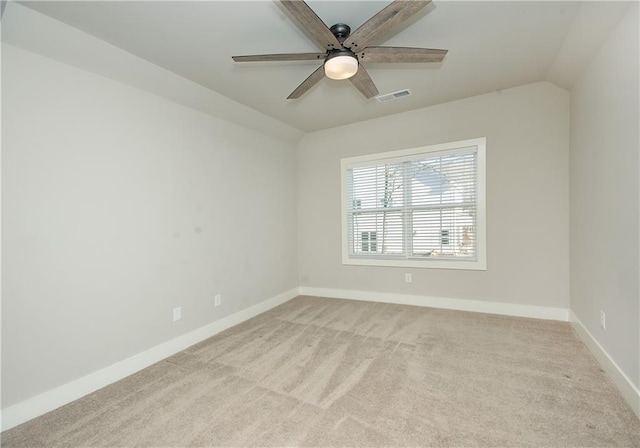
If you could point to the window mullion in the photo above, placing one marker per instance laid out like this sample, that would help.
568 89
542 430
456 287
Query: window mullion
407 215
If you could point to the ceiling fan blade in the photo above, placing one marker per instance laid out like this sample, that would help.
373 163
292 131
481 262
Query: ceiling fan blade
311 24
280 57
311 81
388 18
363 83
401 54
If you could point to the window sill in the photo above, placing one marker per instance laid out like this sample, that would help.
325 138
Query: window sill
431 263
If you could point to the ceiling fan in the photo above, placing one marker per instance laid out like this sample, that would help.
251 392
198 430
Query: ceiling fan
345 52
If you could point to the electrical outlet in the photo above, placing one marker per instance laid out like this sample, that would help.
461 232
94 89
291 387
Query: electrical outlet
217 300
177 314
407 278
603 320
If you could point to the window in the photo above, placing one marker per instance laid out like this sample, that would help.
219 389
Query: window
421 207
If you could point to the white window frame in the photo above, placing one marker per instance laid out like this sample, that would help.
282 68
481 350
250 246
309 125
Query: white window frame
480 263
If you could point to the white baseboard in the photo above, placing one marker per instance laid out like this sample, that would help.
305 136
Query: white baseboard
478 306
53 399
628 390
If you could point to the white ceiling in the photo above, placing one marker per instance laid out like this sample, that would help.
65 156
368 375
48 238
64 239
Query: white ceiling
492 46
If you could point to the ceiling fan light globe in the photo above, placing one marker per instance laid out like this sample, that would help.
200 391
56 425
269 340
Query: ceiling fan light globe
341 67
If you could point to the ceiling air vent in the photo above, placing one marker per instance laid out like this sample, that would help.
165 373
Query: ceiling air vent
393 96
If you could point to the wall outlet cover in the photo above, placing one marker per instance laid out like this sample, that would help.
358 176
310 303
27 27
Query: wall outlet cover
408 278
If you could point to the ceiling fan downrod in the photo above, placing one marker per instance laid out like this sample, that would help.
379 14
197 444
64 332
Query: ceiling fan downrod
341 31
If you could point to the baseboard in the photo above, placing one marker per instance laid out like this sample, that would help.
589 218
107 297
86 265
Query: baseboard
627 389
478 306
53 399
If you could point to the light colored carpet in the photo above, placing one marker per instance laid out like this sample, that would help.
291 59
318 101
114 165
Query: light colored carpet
327 372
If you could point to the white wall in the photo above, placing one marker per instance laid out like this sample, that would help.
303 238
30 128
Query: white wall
604 186
527 130
118 206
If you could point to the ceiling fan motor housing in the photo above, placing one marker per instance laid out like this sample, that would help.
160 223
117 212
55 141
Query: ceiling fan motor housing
339 52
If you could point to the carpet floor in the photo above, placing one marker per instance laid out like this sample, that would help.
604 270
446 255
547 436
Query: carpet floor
328 372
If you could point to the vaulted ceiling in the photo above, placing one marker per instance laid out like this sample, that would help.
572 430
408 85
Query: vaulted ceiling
492 46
